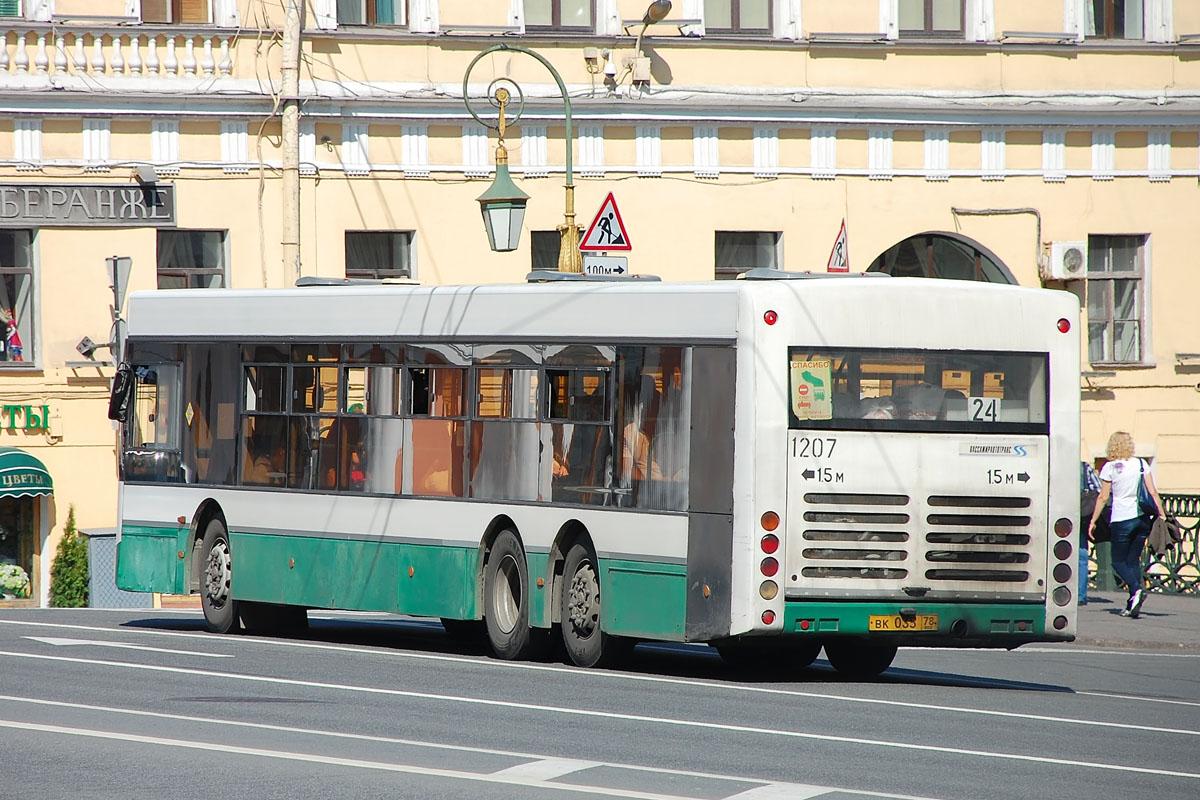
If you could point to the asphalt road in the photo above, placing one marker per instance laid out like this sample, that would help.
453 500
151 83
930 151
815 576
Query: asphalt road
118 704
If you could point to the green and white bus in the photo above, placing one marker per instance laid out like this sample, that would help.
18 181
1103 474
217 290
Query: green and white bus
770 465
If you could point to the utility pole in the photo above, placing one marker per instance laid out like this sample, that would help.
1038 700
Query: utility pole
291 139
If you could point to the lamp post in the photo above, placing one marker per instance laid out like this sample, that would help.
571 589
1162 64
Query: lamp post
503 197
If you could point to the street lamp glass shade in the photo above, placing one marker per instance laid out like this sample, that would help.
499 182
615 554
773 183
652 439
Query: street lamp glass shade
503 208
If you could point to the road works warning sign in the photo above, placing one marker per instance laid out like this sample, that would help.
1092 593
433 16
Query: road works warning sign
607 231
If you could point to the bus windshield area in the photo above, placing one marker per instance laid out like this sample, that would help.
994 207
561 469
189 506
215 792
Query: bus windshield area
918 390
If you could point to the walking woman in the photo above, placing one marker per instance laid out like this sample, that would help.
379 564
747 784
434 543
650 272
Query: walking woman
1119 478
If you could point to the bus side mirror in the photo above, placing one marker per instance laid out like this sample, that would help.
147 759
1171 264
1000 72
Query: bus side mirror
122 390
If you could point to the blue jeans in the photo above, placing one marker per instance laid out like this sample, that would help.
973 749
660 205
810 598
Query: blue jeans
1128 539
1083 568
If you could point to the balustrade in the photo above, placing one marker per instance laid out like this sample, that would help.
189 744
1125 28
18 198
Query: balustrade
114 52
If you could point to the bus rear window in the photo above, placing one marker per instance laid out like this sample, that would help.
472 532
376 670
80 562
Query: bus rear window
917 390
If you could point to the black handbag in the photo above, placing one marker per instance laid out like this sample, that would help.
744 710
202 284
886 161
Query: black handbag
1146 506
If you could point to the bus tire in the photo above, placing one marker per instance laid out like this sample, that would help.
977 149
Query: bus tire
859 660
269 619
506 598
221 611
580 616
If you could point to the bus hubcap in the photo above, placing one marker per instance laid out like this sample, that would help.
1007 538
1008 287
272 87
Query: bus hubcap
217 573
583 601
506 595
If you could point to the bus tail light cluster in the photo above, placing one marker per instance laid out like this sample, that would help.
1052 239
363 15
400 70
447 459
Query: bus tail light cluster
1064 551
769 566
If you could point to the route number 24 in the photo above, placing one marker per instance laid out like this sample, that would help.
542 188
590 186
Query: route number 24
984 409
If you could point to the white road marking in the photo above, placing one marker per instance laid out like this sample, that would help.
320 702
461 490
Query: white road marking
593 675
613 715
779 791
54 640
1117 651
325 733
547 769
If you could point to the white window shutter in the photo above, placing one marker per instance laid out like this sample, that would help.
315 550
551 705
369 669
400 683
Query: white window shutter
1104 155
27 143
164 145
356 149
97 143
1054 156
766 151
889 14
991 154
591 150
534 156
786 24
824 152
325 14
879 155
937 154
235 146
475 151
423 16
308 147
414 149
1158 155
705 152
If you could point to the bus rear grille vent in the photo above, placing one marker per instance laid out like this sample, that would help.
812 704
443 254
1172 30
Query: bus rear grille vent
979 520
985 575
854 572
970 501
814 535
855 499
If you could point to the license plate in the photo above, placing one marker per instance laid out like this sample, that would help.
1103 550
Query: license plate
891 623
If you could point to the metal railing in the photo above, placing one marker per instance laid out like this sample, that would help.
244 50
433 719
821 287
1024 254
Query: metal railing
1177 571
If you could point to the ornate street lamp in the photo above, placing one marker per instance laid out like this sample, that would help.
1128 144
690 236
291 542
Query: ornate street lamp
503 204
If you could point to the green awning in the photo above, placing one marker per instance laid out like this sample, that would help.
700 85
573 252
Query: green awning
22 475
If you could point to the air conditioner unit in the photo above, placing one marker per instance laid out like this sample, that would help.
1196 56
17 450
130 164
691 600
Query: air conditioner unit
1068 261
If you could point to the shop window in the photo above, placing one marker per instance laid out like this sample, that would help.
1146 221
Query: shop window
543 250
737 16
191 259
1116 299
1113 19
370 12
577 15
738 251
919 18
376 255
176 11
16 297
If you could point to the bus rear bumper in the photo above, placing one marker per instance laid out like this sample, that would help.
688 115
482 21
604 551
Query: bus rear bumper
922 625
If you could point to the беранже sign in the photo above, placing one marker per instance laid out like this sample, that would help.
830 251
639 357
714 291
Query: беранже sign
86 205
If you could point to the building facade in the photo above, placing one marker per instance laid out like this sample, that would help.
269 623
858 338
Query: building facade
1042 142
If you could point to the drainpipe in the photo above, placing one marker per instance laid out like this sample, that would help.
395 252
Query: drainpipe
291 139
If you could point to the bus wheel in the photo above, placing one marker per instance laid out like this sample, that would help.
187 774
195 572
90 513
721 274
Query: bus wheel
857 660
220 609
506 598
587 645
273 620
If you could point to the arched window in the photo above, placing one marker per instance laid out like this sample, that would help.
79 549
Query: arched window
940 254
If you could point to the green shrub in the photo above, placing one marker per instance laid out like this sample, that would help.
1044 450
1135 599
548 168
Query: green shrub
69 572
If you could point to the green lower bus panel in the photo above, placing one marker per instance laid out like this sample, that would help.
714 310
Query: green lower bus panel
644 600
366 576
148 561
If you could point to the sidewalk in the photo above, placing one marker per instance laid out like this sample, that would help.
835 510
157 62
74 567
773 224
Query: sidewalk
1167 621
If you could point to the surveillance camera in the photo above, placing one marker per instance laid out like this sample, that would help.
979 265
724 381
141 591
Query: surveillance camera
86 347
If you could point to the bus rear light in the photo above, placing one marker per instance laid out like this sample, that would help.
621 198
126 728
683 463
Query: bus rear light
1062 572
769 543
769 567
1062 596
1063 527
768 617
1060 623
770 317
1064 325
1022 625
1062 549
805 624
769 521
768 590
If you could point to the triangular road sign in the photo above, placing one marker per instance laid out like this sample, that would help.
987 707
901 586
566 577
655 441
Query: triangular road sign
607 231
839 257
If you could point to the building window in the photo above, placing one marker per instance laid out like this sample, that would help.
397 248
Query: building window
1113 19
942 255
191 259
376 255
185 11
738 251
737 16
16 296
560 15
1115 299
931 18
370 12
10 8
544 249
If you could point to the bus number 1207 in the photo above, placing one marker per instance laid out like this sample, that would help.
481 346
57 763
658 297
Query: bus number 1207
816 447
